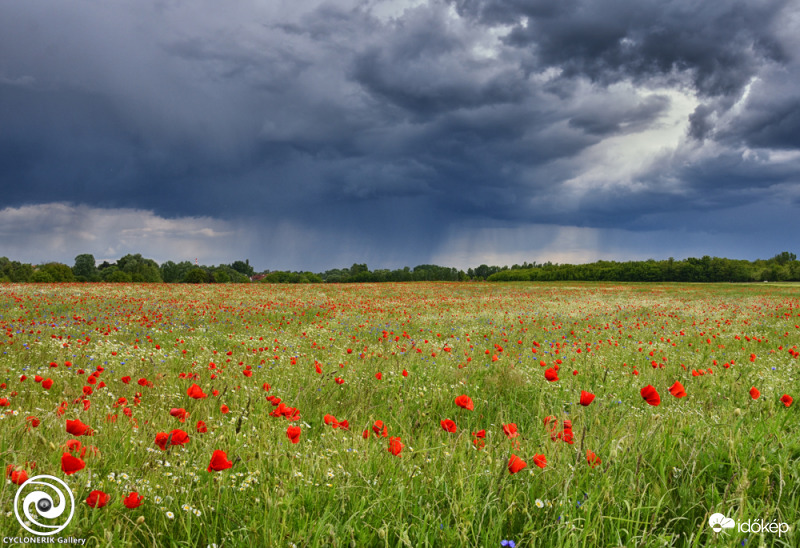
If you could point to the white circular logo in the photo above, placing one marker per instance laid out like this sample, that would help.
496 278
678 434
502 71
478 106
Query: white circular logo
46 507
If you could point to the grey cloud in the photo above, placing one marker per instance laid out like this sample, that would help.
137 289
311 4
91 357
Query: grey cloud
719 45
380 133
600 119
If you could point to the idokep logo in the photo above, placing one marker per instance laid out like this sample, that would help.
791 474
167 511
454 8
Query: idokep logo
719 522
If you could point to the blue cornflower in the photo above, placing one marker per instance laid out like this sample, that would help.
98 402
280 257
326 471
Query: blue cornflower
509 543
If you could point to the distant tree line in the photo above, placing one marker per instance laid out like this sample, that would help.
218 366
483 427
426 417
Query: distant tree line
135 268
781 267
130 268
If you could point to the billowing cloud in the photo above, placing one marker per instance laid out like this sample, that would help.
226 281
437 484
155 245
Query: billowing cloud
374 130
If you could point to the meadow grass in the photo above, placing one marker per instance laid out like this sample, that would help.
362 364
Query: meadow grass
664 469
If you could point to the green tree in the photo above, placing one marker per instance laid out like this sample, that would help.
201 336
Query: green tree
139 268
20 272
118 276
195 276
243 267
58 272
85 267
784 257
221 277
40 276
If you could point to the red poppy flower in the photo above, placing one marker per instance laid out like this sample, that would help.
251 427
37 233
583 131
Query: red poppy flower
405 373
126 379
586 398
465 402
293 433
97 499
754 393
75 447
550 374
180 413
592 459
677 390
650 395
47 384
395 446
201 427
196 392
787 400
70 464
161 440
448 425
224 409
378 376
134 500
18 477
480 434
77 428
515 464
179 437
510 430
540 461
377 428
33 421
219 461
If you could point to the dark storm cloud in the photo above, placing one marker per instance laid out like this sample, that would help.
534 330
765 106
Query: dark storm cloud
379 127
721 44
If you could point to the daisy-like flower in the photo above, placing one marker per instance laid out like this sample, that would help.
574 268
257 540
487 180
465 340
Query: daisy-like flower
197 512
539 503
186 507
170 515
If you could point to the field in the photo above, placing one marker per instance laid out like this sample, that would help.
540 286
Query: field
341 413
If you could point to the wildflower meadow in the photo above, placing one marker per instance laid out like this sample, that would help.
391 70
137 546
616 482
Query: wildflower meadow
416 414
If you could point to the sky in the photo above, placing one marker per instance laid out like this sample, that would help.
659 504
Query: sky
308 135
